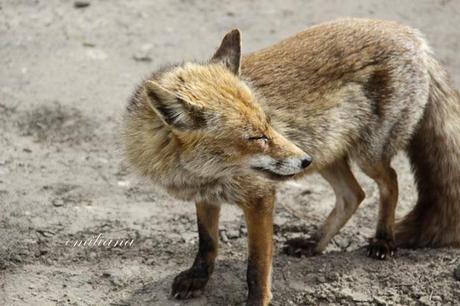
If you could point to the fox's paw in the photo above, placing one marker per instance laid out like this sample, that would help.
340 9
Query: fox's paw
381 249
189 283
299 247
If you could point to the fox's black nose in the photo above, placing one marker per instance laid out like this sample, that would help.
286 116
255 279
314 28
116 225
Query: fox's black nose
305 162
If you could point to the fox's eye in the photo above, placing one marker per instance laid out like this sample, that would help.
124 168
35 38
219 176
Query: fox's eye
260 138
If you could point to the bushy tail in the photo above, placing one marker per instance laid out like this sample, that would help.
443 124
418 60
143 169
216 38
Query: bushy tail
434 152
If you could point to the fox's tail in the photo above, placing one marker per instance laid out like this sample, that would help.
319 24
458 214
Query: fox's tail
434 153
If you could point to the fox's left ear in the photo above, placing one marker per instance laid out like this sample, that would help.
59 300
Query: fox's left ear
229 51
173 110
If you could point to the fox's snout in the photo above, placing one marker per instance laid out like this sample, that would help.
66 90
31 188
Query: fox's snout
282 159
280 168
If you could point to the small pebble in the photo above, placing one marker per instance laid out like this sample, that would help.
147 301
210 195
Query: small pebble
332 276
457 273
321 279
16 258
142 58
81 4
58 202
379 301
45 233
89 44
117 281
223 236
425 300
233 234
342 242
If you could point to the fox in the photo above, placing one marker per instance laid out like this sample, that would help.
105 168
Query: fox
233 128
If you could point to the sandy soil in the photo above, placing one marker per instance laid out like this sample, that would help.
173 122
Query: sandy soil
66 74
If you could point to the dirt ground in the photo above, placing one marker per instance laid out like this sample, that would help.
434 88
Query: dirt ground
66 74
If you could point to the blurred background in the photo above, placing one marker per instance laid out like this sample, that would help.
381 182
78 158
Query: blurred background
67 69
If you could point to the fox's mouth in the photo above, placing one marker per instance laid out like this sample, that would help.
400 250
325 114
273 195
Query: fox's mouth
272 175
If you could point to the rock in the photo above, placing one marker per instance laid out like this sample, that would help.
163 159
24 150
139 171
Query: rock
88 44
143 54
46 233
425 300
356 296
223 236
123 183
380 301
117 281
142 58
16 258
342 242
233 234
58 202
321 279
81 4
188 237
333 277
457 273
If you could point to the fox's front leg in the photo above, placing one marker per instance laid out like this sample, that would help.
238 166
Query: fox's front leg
191 282
259 219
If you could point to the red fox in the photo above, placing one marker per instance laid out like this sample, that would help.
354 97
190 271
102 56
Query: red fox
233 128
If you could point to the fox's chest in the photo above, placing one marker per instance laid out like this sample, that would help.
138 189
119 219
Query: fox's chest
233 190
216 191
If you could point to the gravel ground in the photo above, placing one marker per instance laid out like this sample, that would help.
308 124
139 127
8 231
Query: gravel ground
66 74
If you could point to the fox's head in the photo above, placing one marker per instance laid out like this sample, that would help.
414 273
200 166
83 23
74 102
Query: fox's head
217 121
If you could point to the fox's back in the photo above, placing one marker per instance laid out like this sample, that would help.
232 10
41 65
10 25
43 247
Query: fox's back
335 83
338 51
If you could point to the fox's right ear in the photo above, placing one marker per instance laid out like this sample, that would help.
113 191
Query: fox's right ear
229 51
173 111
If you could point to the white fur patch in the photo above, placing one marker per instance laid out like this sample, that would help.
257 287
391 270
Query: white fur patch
287 166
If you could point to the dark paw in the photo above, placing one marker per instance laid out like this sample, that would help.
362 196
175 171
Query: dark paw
299 247
189 283
381 249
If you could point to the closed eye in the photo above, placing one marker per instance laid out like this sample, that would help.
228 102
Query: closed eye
262 137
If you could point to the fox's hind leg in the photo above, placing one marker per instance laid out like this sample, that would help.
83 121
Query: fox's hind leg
191 282
382 245
348 197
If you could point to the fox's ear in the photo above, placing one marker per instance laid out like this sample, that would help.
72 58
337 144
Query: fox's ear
229 51
173 110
